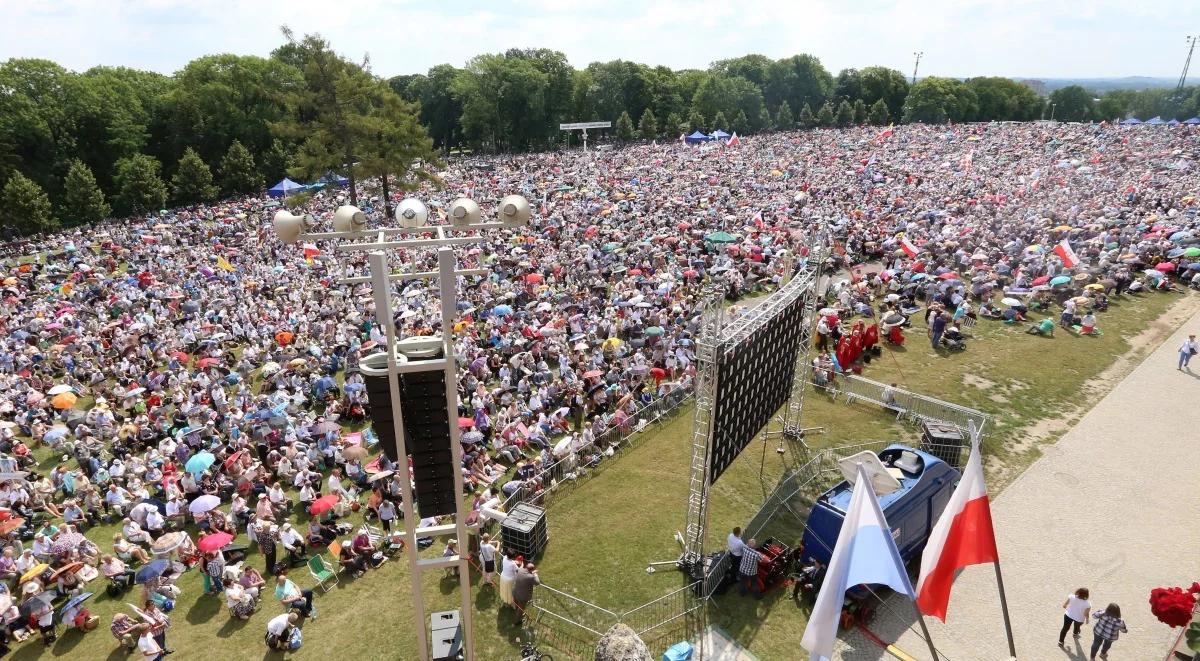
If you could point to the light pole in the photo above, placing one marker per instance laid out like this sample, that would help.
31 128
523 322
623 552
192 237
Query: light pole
917 55
1052 107
425 355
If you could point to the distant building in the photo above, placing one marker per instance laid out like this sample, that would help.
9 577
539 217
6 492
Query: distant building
1036 85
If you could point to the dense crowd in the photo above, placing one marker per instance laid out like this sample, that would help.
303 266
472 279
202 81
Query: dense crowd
196 380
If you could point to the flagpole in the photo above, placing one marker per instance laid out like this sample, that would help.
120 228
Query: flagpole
925 632
1012 646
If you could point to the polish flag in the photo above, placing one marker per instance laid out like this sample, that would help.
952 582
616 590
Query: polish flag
757 220
682 138
885 134
734 141
907 246
963 536
1068 256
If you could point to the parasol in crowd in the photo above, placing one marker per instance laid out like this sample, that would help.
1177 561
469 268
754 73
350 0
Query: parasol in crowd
75 601
34 571
323 504
381 475
204 503
200 462
68 568
152 569
214 542
354 452
169 542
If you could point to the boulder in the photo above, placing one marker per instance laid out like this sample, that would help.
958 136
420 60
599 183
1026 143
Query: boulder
621 643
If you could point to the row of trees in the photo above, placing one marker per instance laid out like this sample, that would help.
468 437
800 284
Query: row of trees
77 147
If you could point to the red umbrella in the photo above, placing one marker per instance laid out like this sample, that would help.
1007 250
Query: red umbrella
534 278
323 504
216 541
635 271
205 363
684 226
658 373
949 275
180 356
592 374
233 458
465 423
1041 280
691 273
1165 266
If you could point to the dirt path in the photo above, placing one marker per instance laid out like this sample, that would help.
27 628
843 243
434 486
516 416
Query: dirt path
1110 507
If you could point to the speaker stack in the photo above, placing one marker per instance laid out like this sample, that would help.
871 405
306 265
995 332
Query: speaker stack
524 530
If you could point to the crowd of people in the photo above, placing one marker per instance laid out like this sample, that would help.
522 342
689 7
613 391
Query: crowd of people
194 381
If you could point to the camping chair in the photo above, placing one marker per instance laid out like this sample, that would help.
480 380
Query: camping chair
321 572
377 538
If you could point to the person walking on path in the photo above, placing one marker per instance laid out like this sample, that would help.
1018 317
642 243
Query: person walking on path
1189 349
1109 626
1076 610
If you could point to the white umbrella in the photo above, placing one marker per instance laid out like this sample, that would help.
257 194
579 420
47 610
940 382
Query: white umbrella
203 504
134 392
59 389
1011 302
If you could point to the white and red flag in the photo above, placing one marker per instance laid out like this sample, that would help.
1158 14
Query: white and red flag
963 536
1068 256
908 247
734 141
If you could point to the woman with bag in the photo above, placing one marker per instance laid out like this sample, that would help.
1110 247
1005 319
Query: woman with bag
1109 626
1076 610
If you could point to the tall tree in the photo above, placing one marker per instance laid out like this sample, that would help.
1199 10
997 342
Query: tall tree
1071 104
328 112
719 122
696 121
398 151
860 112
935 100
798 80
82 200
139 188
845 114
675 123
238 172
193 180
624 127
784 121
741 123
883 84
825 117
879 113
648 125
806 119
275 162
24 207
1004 99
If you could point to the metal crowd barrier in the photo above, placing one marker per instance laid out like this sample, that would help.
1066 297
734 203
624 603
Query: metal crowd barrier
907 404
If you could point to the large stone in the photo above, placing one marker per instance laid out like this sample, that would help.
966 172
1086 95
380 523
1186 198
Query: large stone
621 643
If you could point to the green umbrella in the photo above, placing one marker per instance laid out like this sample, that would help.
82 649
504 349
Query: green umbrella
720 237
1060 280
610 246
655 331
1192 252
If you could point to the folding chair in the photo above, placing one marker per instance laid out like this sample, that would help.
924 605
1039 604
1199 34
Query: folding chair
321 572
377 538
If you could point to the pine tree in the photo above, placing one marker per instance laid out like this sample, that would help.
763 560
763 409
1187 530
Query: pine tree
648 125
764 119
806 117
720 123
275 162
82 201
675 123
741 123
139 188
783 117
825 116
192 182
879 113
24 207
845 114
695 121
624 126
860 112
238 172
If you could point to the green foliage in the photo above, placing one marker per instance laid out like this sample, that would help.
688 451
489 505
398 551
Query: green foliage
726 96
784 120
881 83
139 190
193 180
825 118
935 100
24 207
624 126
720 123
1071 104
845 114
515 100
396 148
675 123
741 123
82 200
695 121
879 113
1004 99
297 200
275 162
806 118
860 112
798 80
238 172
648 125
764 123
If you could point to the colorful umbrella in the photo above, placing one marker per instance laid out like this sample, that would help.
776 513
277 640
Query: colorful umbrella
64 400
204 504
534 278
1060 280
655 331
1041 280
68 568
466 423
214 542
34 571
323 504
10 525
75 601
169 542
200 463
1161 266
60 389
152 569
1010 302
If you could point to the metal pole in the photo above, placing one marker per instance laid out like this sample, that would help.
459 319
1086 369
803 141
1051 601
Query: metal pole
925 632
381 290
1012 646
916 64
447 290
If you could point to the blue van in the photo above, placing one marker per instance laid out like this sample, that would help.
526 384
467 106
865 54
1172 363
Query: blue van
926 484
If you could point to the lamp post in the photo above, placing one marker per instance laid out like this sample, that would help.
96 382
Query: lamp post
1052 108
917 55
426 354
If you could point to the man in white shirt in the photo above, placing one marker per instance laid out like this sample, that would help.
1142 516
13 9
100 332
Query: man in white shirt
279 625
148 646
1188 348
735 545
294 543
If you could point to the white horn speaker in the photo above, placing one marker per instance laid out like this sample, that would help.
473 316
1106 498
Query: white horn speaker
464 211
411 212
349 219
515 209
288 226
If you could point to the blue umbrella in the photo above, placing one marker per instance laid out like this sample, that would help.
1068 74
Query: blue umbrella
502 310
152 569
1060 280
1180 235
200 462
918 276
1194 266
1176 252
75 601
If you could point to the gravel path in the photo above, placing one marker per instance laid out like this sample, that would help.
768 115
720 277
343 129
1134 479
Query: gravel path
1112 507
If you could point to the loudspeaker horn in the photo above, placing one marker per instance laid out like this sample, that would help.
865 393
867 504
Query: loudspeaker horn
288 226
412 212
349 218
464 211
515 209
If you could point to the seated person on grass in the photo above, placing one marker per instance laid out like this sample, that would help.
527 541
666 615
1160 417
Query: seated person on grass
1045 327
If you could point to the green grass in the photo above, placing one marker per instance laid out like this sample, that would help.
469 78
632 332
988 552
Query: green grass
606 528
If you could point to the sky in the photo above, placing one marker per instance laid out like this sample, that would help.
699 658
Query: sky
961 38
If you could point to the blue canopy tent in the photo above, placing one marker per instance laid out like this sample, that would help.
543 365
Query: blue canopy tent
333 179
285 188
1193 121
1173 122
720 135
1131 121
696 138
1155 121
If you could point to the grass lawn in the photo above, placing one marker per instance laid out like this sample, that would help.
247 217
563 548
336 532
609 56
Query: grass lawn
606 528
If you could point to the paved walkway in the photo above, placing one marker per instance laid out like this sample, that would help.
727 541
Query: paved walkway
1114 506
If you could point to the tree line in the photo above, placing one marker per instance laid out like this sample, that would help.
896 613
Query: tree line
78 147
